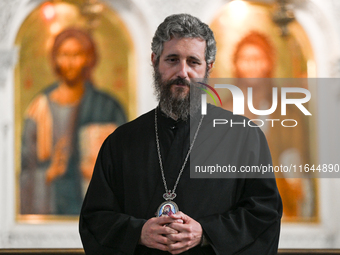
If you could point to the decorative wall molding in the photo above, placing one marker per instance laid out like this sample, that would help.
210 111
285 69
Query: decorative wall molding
305 237
7 61
165 8
121 5
159 9
43 239
8 58
316 18
336 10
7 11
335 68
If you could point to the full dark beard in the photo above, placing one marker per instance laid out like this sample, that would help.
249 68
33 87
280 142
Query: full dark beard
175 104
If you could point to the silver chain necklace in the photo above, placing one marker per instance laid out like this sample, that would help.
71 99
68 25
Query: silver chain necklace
170 207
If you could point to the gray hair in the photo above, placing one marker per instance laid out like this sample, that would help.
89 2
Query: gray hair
184 25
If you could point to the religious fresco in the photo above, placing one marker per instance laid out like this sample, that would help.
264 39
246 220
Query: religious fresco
251 50
73 86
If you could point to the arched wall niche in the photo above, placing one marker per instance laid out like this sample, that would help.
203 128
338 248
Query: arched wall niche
113 76
53 232
250 45
322 38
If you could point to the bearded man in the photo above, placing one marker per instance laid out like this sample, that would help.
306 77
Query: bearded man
149 155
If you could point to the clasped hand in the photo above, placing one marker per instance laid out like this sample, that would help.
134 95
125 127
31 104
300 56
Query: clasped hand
175 234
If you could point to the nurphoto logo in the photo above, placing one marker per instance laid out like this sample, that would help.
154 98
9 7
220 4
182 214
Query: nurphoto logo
239 104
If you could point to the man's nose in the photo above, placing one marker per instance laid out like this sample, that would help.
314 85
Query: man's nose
183 70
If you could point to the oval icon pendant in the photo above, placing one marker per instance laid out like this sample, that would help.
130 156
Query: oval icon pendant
167 208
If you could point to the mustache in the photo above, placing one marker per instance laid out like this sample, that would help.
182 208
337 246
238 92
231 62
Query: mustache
178 81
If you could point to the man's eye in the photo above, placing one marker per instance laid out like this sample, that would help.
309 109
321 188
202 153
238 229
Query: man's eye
171 59
193 62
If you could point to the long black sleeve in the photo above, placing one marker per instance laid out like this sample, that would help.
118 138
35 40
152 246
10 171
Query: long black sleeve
104 228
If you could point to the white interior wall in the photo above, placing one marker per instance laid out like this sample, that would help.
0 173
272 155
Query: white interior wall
318 17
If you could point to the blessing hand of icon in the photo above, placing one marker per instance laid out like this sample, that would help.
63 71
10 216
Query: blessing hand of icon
59 160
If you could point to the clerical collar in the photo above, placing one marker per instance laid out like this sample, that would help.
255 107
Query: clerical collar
170 122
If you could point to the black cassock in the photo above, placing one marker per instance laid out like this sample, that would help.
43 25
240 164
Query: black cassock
237 215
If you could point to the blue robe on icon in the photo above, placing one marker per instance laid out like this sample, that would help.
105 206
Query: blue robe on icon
45 123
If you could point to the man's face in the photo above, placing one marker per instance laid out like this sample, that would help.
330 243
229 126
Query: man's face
71 60
181 60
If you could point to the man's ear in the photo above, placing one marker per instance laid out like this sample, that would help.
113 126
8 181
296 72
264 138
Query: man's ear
153 58
210 66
